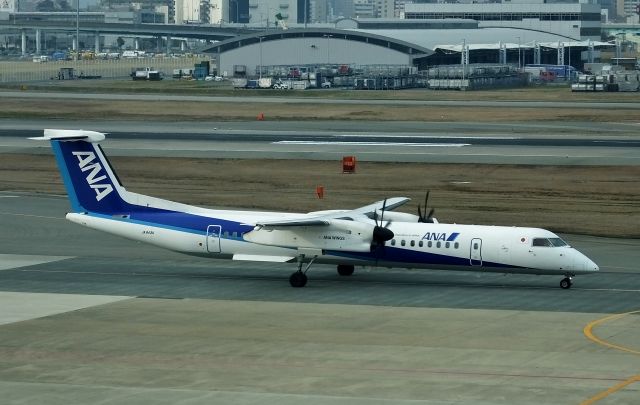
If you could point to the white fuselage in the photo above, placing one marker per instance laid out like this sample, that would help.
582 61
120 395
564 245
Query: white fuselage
227 234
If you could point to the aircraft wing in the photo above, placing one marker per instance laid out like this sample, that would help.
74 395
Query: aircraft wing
326 219
351 230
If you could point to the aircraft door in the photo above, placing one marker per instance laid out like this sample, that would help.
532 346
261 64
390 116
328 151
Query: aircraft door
213 238
475 256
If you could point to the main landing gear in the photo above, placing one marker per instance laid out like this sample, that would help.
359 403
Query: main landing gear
299 278
566 283
345 269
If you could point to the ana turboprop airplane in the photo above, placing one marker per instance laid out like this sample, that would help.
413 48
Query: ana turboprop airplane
373 235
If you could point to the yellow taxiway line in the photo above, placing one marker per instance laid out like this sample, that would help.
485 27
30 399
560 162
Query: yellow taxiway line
588 332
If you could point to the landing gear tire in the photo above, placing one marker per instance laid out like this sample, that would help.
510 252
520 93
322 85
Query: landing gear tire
345 269
565 283
298 279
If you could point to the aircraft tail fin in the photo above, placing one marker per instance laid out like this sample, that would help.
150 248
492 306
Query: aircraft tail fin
91 183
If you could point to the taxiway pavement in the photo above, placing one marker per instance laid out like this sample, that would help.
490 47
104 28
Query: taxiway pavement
202 331
558 144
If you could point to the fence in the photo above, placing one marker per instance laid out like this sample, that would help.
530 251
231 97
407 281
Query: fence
29 71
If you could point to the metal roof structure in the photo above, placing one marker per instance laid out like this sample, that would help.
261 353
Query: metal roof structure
351 35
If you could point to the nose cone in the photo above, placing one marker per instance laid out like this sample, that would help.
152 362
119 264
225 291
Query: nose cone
585 264
590 265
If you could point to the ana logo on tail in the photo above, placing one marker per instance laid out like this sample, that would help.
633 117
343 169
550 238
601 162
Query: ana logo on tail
85 160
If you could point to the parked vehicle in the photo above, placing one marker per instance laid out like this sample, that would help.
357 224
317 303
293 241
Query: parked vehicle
146 73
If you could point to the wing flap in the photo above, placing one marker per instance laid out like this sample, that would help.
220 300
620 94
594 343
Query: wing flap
263 258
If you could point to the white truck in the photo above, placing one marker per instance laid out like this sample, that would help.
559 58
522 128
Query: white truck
146 73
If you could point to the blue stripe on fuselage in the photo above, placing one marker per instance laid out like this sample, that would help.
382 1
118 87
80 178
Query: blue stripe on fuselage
173 220
406 256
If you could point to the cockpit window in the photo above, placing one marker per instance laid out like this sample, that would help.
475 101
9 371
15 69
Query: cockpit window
557 242
549 242
542 242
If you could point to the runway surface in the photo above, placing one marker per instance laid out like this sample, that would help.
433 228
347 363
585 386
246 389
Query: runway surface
169 329
309 100
560 144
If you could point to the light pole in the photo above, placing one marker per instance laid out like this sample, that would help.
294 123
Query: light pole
261 38
519 65
327 36
77 30
462 57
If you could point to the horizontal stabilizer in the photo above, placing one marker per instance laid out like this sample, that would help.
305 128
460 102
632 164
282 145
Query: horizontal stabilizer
263 258
70 135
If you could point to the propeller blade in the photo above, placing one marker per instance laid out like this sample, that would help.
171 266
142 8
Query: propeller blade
430 216
426 217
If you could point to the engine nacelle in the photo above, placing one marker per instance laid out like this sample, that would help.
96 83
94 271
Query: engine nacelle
397 216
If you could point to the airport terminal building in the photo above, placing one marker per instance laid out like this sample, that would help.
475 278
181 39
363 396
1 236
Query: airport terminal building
579 21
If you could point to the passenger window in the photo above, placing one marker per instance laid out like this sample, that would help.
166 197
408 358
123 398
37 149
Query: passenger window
475 246
226 234
456 245
413 243
446 245
438 244
429 244
393 242
420 244
402 242
235 234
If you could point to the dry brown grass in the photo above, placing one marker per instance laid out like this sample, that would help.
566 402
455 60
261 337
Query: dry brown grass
576 199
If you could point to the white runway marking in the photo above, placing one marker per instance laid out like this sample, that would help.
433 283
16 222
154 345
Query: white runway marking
426 136
18 306
9 196
15 214
8 262
355 143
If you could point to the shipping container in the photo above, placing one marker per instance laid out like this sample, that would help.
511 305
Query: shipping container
239 82
265 82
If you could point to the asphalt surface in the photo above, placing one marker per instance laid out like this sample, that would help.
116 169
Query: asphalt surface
104 265
560 144
88 318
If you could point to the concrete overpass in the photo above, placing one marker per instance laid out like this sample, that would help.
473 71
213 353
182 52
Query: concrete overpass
68 26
